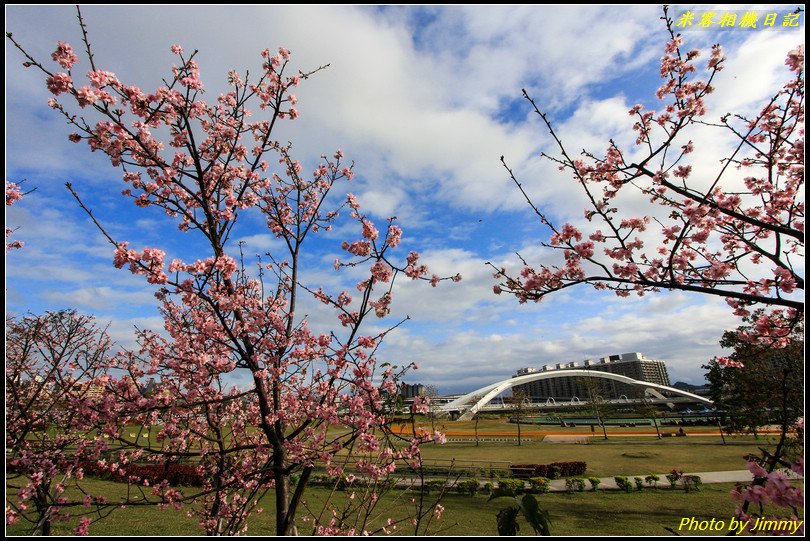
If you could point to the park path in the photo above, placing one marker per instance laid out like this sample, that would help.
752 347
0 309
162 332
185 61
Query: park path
733 476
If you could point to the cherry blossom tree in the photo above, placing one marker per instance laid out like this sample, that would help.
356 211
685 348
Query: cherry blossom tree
312 398
772 487
56 370
736 231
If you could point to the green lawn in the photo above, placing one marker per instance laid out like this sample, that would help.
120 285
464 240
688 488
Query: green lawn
604 460
646 512
605 513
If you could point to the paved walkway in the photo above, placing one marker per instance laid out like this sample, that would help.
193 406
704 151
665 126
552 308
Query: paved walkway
734 476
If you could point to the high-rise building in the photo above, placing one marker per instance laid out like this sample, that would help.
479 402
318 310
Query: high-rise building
411 390
632 365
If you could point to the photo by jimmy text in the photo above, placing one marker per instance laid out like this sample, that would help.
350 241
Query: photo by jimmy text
738 526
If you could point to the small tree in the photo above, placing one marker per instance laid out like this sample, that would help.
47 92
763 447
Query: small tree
432 393
767 389
596 402
310 397
649 410
519 408
56 375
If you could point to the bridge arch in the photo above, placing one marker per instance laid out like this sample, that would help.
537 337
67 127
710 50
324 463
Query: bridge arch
474 401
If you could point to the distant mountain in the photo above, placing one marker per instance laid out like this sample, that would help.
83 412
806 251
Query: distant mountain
690 388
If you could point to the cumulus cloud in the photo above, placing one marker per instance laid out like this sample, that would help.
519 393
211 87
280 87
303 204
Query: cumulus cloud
425 101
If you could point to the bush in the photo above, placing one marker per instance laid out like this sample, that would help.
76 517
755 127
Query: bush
174 474
652 480
623 483
433 484
575 484
511 487
691 482
639 482
488 488
468 486
673 477
554 470
595 482
541 485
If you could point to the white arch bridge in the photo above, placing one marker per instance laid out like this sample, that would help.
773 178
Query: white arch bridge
469 404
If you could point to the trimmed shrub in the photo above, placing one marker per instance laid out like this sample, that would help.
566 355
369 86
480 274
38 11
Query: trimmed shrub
623 483
511 487
652 480
595 482
575 484
673 477
639 482
691 482
468 486
488 487
433 484
541 485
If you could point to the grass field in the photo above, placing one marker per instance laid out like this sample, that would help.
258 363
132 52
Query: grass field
501 427
603 460
645 512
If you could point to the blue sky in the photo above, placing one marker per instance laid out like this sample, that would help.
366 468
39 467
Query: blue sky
425 100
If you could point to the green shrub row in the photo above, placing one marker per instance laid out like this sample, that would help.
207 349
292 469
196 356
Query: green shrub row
555 470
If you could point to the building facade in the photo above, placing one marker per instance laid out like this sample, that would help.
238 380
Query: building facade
632 365
412 390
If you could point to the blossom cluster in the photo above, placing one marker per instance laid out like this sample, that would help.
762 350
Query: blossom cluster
742 245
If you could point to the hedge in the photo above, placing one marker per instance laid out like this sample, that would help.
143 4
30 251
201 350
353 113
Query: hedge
175 474
551 471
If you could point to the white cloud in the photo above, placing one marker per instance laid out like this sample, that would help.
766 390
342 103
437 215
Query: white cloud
99 298
425 100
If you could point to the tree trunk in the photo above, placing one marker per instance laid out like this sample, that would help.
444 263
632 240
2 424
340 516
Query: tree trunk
282 503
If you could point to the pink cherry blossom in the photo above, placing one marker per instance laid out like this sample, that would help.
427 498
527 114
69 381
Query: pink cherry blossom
64 55
83 527
59 83
369 231
394 236
795 59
